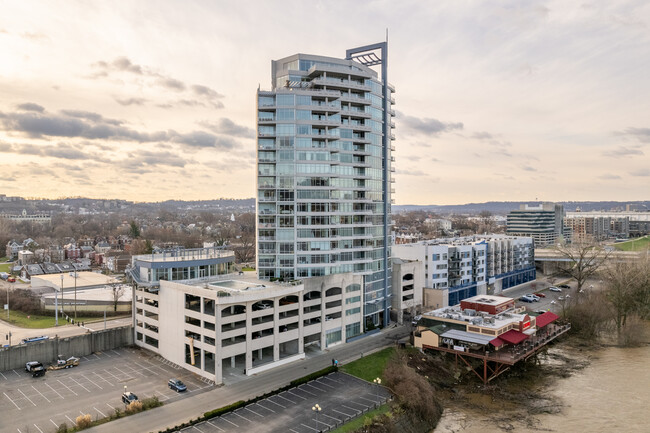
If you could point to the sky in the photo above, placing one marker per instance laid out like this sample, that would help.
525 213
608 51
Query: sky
495 100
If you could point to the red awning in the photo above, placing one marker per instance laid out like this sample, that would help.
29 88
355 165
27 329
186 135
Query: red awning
513 337
546 318
497 342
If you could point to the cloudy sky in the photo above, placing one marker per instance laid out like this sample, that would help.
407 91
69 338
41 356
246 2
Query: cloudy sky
155 100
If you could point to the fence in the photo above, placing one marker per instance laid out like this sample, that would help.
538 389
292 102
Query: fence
80 345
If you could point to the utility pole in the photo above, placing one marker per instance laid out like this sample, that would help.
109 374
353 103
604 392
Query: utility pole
62 295
75 296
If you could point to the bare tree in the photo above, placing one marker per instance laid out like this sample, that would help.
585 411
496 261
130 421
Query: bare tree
583 259
118 291
628 290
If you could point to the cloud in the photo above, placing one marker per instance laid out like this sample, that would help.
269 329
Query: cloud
30 106
411 173
643 172
124 64
60 150
149 159
609 177
74 123
131 101
426 125
202 139
171 83
206 91
34 36
228 127
528 168
621 152
641 134
482 135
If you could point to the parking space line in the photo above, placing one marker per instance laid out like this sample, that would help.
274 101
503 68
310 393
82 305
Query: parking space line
293 430
367 399
100 412
278 404
304 390
310 428
284 398
197 428
3 376
73 422
241 416
91 382
357 411
16 373
321 422
104 353
96 356
354 402
335 419
215 426
264 407
86 358
299 396
156 391
333 380
342 413
324 384
116 352
48 400
229 422
102 378
57 392
67 387
72 379
27 397
250 410
111 406
54 423
17 407
38 428
115 377
315 387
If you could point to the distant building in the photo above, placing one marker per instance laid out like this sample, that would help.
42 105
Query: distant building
590 228
544 223
408 281
458 268
24 216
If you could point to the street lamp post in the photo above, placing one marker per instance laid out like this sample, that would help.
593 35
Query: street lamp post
316 408
75 296
378 383
61 295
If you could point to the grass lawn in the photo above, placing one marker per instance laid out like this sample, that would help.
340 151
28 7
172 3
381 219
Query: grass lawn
4 267
370 367
638 244
359 422
18 318
247 269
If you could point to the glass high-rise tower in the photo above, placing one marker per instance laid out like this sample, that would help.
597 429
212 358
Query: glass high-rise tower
325 172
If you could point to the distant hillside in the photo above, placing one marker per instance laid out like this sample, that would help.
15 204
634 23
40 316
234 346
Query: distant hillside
503 207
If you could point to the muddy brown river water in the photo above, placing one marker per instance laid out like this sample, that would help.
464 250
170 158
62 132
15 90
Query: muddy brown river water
612 394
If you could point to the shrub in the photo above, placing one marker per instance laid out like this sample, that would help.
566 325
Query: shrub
315 375
218 412
150 403
84 421
134 407
63 428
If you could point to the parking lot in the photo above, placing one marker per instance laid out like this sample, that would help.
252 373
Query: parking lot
340 396
95 387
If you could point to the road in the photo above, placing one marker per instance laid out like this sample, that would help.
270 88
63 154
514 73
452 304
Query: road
190 408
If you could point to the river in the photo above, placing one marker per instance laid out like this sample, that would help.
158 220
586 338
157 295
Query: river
610 395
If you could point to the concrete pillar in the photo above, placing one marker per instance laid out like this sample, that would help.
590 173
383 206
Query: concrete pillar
218 370
301 314
249 337
276 330
259 354
323 339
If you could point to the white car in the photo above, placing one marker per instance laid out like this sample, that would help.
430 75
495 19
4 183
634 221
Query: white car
535 297
555 289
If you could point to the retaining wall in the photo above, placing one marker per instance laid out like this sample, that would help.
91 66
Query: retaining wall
15 357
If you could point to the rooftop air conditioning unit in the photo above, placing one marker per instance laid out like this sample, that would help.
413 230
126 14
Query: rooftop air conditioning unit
470 312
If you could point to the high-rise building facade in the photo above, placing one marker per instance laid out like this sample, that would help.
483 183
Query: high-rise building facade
544 223
325 172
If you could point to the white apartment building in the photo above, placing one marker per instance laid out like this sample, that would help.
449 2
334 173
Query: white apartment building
458 268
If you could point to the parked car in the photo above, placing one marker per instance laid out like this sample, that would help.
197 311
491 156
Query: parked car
561 298
128 397
177 385
554 289
564 286
527 298
535 297
540 295
11 279
32 365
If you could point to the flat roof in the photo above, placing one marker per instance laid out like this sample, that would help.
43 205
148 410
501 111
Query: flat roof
236 285
488 299
479 318
469 337
84 279
97 294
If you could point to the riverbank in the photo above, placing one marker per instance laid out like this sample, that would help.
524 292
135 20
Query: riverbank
573 388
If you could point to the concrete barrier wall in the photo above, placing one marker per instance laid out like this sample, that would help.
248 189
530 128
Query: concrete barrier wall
47 351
